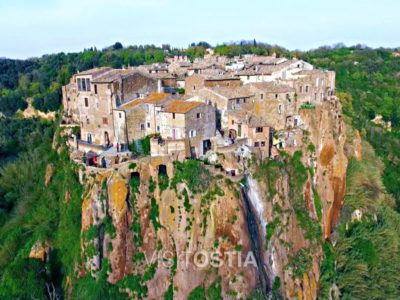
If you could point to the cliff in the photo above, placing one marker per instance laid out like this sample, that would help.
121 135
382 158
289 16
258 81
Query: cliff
297 200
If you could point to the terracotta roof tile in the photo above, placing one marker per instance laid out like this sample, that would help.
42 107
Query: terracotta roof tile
180 106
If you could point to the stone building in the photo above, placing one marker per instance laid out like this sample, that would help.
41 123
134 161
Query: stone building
224 99
91 97
195 82
193 122
280 69
313 86
256 131
137 119
275 103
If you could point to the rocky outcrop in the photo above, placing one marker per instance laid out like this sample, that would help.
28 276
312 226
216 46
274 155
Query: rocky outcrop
165 232
298 200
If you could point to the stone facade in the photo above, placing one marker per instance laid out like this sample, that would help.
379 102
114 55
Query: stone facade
92 96
196 82
273 102
246 125
193 121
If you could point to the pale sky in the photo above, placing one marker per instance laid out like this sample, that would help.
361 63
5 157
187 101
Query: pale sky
31 28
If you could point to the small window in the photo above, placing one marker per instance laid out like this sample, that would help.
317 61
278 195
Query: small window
194 88
248 77
83 83
261 96
306 88
120 115
233 122
105 121
141 126
68 99
276 96
209 102
198 115
148 124
158 128
86 102
301 89
244 100
87 121
88 84
228 83
95 88
192 133
263 144
79 84
256 144
238 101
280 109
259 129
173 115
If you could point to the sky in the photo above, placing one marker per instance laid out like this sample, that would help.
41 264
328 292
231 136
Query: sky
31 28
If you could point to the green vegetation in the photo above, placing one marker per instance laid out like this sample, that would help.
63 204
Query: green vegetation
193 173
307 106
154 214
163 181
301 262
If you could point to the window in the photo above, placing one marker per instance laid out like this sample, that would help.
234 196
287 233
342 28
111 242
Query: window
95 88
238 101
158 128
244 100
194 88
87 121
301 89
198 115
306 88
83 83
261 96
148 124
228 83
173 115
276 96
192 133
259 129
105 121
263 144
233 122
209 102
248 77
68 99
280 109
88 84
86 102
141 126
120 115
256 144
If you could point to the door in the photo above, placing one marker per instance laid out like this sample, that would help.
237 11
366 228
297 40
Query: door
89 138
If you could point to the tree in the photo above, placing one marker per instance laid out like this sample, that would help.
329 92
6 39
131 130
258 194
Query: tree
117 46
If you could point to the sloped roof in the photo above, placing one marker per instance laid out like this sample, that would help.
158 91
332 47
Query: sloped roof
248 118
231 92
94 72
180 106
271 87
153 98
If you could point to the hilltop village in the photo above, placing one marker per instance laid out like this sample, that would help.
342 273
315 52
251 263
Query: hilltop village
186 109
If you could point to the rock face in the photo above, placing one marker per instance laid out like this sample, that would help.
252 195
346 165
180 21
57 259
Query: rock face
298 200
134 210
